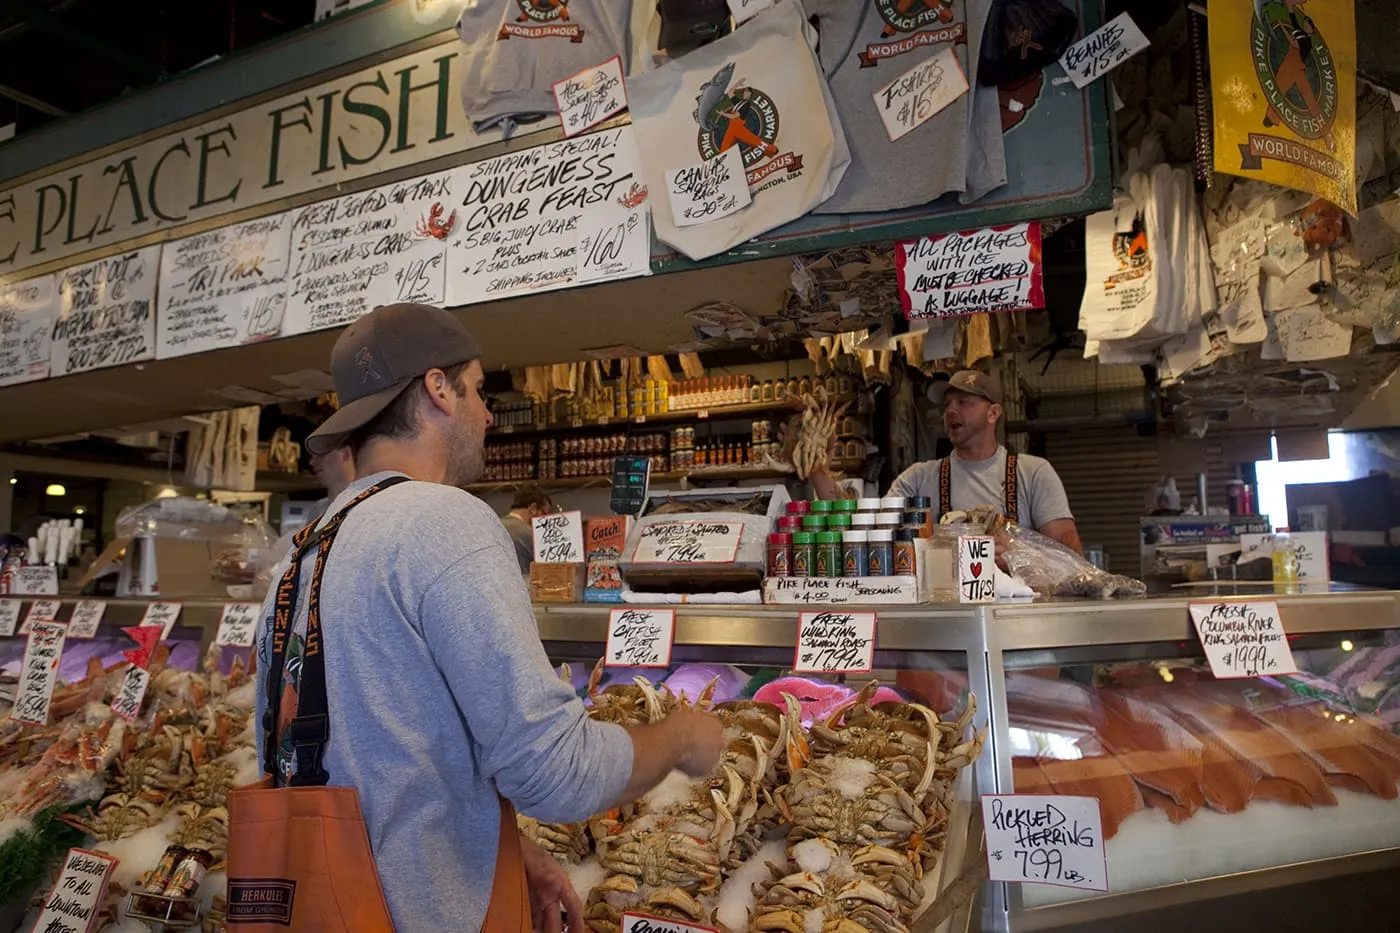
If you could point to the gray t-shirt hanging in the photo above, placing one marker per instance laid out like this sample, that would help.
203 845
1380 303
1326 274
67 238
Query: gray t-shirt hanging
867 44
1040 497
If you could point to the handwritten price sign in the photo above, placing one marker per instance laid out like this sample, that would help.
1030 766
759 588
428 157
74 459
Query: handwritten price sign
976 570
1243 639
1103 50
835 643
71 906
41 610
640 637
643 923
1043 839
994 269
614 246
558 538
688 543
127 703
588 98
910 100
237 624
34 581
709 191
9 616
87 616
162 614
40 673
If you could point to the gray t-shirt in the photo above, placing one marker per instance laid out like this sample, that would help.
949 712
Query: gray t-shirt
1040 497
441 696
522 535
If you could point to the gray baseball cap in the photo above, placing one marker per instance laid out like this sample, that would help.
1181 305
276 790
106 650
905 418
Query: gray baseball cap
380 355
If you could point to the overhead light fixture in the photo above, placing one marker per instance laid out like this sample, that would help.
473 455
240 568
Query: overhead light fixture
79 510
1347 645
55 489
14 480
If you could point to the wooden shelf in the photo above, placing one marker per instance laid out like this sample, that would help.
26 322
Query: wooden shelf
695 475
276 481
718 413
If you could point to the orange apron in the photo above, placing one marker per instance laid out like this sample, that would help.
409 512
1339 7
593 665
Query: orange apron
299 858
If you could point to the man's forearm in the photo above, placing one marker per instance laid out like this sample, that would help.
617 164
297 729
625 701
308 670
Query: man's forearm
657 750
824 485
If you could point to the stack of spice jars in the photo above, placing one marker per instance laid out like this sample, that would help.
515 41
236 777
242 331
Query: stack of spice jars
849 538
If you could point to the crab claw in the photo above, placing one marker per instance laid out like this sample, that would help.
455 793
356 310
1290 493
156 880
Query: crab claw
596 677
799 752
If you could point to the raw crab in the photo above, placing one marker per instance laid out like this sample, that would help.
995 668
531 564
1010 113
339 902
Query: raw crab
567 842
621 893
117 816
816 428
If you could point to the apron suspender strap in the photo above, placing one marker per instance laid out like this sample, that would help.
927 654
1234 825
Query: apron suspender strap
945 487
310 729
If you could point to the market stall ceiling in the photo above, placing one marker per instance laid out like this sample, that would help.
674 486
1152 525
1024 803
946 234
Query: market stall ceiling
648 313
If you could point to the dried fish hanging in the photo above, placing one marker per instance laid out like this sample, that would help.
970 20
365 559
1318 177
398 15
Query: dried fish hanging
222 453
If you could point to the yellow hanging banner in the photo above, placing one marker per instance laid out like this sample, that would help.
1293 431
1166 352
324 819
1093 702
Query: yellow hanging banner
1283 83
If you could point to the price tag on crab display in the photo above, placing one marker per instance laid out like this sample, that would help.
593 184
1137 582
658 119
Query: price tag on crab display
35 581
39 674
1243 639
1043 839
640 637
71 906
911 99
41 610
645 923
710 190
976 570
162 614
130 692
591 96
558 538
688 543
835 643
9 616
87 616
237 624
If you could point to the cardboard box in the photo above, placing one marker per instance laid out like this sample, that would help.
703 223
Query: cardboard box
606 536
556 583
163 567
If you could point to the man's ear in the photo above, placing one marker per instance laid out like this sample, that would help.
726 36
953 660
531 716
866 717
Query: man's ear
438 388
994 413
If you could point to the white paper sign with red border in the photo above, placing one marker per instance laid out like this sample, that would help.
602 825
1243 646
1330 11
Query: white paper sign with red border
1243 639
87 616
237 624
1044 839
9 616
977 563
162 614
71 907
130 693
645 923
640 638
835 643
39 674
558 538
34 581
956 274
588 98
41 610
688 543
913 98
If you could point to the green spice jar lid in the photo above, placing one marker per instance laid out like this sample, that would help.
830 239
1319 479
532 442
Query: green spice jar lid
846 505
803 539
839 520
823 506
814 522
829 537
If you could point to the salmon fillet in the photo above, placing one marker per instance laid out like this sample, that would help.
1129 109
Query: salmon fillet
1028 778
1160 801
1097 774
1158 751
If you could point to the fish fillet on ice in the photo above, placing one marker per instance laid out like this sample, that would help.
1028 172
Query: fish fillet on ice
1156 749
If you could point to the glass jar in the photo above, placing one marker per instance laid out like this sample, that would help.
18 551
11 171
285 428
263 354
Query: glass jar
779 555
939 574
855 554
905 560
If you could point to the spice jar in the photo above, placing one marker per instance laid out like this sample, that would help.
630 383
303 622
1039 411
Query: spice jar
828 554
849 506
839 521
863 521
803 555
893 504
814 523
919 522
855 554
823 506
790 523
888 520
799 507
881 552
779 554
868 505
905 558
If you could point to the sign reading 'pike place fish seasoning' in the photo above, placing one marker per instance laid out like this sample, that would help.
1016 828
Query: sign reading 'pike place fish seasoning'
1243 639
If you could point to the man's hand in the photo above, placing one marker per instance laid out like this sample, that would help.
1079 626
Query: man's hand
550 891
705 735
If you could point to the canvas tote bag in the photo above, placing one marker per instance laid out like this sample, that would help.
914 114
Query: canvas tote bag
759 88
299 857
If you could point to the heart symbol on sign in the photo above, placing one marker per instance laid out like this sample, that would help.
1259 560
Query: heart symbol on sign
976 568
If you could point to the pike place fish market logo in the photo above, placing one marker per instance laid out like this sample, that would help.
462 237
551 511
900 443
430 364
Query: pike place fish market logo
745 117
541 19
909 15
542 11
1130 248
910 25
1295 68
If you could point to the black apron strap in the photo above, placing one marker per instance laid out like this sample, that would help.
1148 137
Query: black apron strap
1013 495
945 487
310 729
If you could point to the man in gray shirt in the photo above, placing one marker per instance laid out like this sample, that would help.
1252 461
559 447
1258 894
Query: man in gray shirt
441 698
530 502
980 471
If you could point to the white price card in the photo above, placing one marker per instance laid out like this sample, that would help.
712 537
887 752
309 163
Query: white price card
744 10
87 616
41 610
588 98
237 624
1043 839
976 570
558 538
708 190
646 923
835 643
640 637
688 543
911 99
72 905
1103 50
162 614
1243 639
39 674
9 616
130 692
34 581
956 274
613 245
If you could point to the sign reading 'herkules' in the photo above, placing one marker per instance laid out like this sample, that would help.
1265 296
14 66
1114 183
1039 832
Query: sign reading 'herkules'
396 114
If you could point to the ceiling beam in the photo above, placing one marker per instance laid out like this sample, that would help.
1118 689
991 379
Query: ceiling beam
35 14
32 102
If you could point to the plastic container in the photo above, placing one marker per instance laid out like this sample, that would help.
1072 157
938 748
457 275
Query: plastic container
893 504
790 523
939 578
814 523
780 555
906 562
799 507
823 507
922 503
839 521
867 505
919 520
803 554
828 555
1285 560
863 521
847 505
855 554
890 520
881 552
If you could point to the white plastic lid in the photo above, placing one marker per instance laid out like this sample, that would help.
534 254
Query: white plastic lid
863 520
892 519
893 502
868 505
881 535
855 537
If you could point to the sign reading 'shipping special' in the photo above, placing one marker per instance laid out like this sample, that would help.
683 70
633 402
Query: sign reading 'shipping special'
1283 85
522 216
106 313
377 247
224 287
27 311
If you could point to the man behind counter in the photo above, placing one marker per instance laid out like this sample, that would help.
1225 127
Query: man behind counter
530 502
980 471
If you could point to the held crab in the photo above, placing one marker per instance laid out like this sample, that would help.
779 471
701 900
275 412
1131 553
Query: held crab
567 842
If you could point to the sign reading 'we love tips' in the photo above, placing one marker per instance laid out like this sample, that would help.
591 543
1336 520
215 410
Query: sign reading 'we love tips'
976 570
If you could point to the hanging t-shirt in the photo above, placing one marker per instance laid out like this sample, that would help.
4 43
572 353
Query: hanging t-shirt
760 89
517 49
864 46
